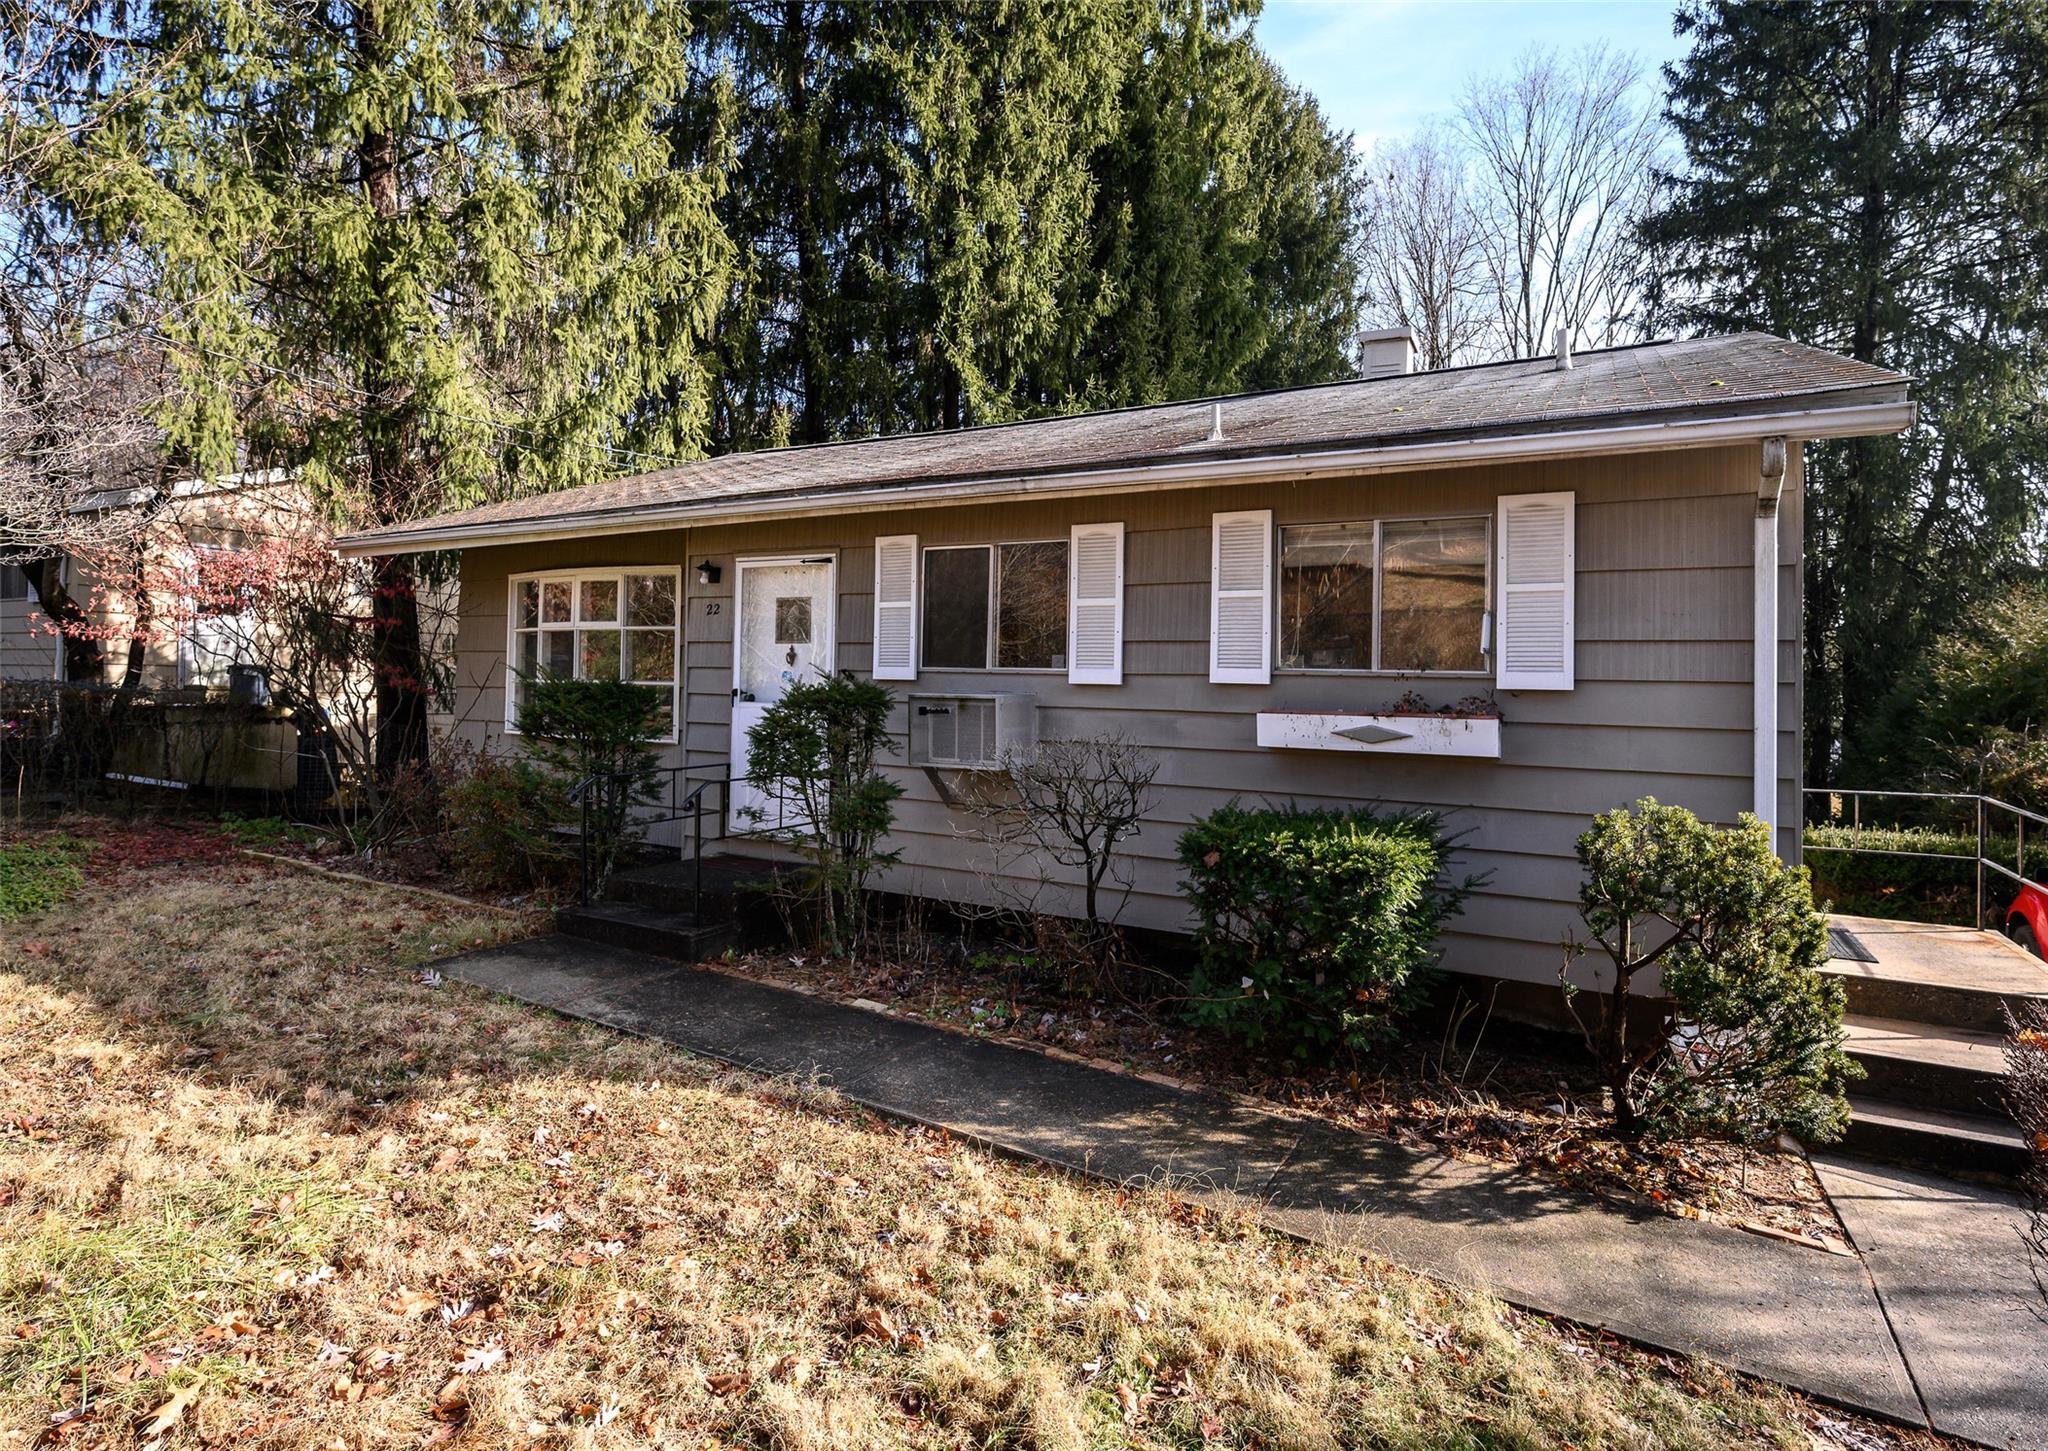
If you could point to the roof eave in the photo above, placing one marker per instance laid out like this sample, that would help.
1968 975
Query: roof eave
1876 411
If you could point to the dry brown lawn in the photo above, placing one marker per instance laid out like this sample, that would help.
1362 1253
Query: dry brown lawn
266 1180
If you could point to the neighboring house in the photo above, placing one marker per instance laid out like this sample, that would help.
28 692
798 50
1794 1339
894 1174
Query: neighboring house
29 648
184 643
1591 564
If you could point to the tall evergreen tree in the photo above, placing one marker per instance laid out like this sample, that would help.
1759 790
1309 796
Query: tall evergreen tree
1872 177
1228 222
962 212
419 250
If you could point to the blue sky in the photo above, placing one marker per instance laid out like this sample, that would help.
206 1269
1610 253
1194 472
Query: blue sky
1381 67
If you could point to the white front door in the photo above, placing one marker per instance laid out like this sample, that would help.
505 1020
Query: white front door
782 633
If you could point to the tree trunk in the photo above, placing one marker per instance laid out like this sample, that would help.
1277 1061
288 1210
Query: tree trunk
84 657
396 655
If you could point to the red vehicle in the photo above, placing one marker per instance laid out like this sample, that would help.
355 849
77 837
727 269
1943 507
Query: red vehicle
2026 920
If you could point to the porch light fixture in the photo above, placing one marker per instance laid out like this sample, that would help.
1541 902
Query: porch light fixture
708 573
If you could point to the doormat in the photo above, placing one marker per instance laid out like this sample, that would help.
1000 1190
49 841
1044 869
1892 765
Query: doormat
1846 946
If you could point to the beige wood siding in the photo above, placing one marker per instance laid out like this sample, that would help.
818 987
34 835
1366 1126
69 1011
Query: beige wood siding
1662 704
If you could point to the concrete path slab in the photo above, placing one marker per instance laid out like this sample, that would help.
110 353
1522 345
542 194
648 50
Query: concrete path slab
1952 1273
1791 1314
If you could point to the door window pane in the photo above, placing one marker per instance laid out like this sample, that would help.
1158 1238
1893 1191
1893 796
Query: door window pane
651 655
793 620
600 601
650 599
1031 605
956 608
1432 594
1326 597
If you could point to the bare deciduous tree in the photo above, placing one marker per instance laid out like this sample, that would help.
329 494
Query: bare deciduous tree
1562 153
1424 265
2026 1093
1078 800
82 378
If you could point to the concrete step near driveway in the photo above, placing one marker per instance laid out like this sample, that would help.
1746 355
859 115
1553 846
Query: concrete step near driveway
1927 1022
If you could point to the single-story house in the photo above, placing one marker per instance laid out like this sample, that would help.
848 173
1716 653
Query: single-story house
1519 593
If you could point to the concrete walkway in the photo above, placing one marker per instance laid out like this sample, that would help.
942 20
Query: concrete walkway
1953 1277
1797 1315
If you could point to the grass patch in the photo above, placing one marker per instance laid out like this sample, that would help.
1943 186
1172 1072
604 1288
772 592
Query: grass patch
280 1177
265 833
38 874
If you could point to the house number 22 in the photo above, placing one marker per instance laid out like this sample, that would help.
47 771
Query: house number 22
713 607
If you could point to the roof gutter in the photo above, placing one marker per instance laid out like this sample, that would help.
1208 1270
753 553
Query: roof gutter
1855 421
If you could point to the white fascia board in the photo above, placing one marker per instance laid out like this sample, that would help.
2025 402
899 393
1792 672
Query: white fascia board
1855 421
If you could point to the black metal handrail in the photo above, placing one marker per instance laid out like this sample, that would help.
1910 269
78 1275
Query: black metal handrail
1983 809
691 808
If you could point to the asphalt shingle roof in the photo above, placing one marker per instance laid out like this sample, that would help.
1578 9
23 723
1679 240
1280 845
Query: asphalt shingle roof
1704 377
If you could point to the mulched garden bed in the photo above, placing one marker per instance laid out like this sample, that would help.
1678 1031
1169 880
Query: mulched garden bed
1477 1097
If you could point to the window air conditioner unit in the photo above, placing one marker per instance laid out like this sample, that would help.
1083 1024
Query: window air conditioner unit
972 732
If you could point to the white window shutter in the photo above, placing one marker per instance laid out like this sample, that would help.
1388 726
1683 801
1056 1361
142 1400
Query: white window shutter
1095 605
896 607
1240 598
1533 563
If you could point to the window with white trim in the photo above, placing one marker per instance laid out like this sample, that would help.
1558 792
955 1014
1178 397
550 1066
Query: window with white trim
596 624
219 632
1401 595
995 606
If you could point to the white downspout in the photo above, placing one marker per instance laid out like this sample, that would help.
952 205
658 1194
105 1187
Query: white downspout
1770 483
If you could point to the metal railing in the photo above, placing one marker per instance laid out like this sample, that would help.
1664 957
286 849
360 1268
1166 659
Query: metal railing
1985 816
606 791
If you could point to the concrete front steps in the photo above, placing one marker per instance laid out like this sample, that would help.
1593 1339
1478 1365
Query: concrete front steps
655 908
1927 1023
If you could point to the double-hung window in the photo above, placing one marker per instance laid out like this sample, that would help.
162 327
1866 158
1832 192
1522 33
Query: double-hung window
996 606
1406 595
604 624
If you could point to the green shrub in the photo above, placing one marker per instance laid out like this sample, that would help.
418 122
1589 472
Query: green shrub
37 875
501 816
1751 1043
264 832
813 752
1912 888
1315 930
593 734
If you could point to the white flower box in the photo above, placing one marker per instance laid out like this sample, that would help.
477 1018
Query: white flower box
1386 735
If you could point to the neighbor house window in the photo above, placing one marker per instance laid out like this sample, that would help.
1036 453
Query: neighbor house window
219 632
1396 594
596 625
13 582
1000 606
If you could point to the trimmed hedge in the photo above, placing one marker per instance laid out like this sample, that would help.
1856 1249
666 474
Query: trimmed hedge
1317 929
1913 888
